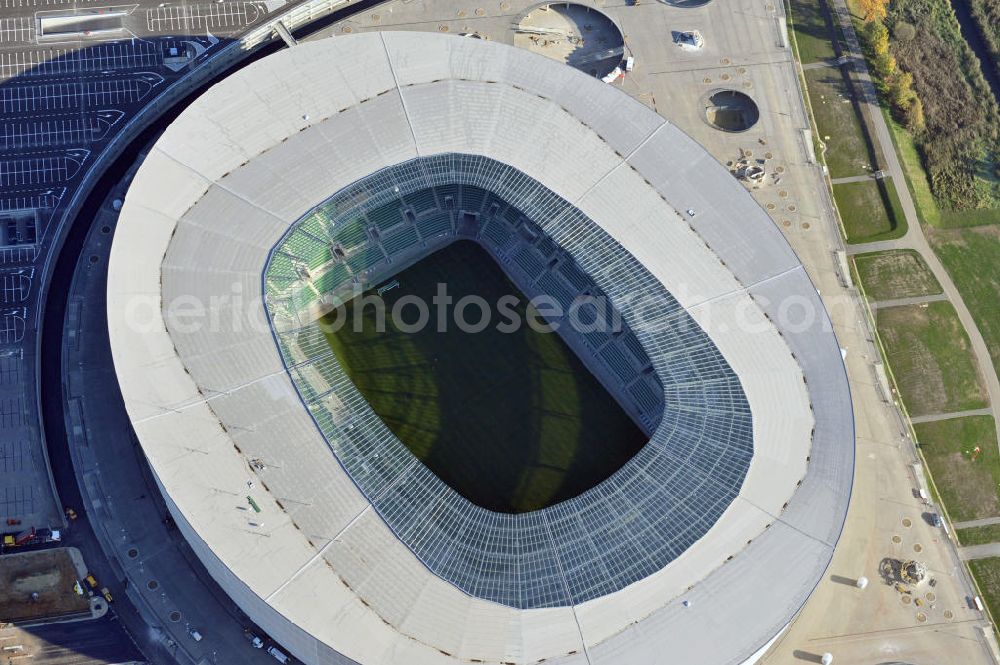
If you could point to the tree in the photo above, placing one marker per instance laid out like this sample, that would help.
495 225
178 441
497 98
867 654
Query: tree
873 10
885 67
877 36
914 115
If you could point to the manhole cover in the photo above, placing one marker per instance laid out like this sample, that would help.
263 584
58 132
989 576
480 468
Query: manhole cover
747 84
742 70
906 600
783 194
152 585
132 553
780 169
918 548
897 540
348 29
768 155
907 522
105 229
725 77
725 61
786 222
930 597
706 80
792 208
376 18
480 11
948 614
175 616
770 206
442 28
806 225
921 617
504 6
461 13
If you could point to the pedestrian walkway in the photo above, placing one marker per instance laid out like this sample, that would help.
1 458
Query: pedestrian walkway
853 178
914 300
914 237
986 551
916 420
971 524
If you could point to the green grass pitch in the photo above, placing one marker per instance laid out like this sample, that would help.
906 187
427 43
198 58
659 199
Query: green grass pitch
513 421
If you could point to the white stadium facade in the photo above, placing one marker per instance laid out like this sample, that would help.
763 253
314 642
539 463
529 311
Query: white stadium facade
333 163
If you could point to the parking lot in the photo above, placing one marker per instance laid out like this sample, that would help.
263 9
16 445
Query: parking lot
120 55
183 19
17 29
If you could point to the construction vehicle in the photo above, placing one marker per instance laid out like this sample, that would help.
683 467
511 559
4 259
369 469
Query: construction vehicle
91 580
19 539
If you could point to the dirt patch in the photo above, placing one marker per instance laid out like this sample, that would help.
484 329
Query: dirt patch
50 574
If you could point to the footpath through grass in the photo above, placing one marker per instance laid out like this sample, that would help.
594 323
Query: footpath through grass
900 273
513 421
931 358
968 488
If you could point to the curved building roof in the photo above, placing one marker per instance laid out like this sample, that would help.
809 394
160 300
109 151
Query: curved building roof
358 552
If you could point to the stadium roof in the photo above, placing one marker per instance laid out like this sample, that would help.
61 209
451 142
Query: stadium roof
319 568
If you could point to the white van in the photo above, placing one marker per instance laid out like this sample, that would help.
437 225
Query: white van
278 655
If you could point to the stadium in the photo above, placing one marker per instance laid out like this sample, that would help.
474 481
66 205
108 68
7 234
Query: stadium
718 405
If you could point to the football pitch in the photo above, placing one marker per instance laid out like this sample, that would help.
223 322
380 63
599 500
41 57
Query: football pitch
513 421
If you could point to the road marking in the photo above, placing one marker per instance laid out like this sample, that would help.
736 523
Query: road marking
184 18
55 131
84 94
115 56
13 4
14 287
17 255
17 29
42 170
12 329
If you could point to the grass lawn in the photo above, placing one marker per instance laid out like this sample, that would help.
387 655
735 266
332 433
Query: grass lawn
839 127
979 535
511 420
953 220
972 257
898 273
870 210
931 358
813 31
967 488
987 574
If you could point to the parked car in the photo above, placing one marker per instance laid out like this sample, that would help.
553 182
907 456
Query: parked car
278 655
254 641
